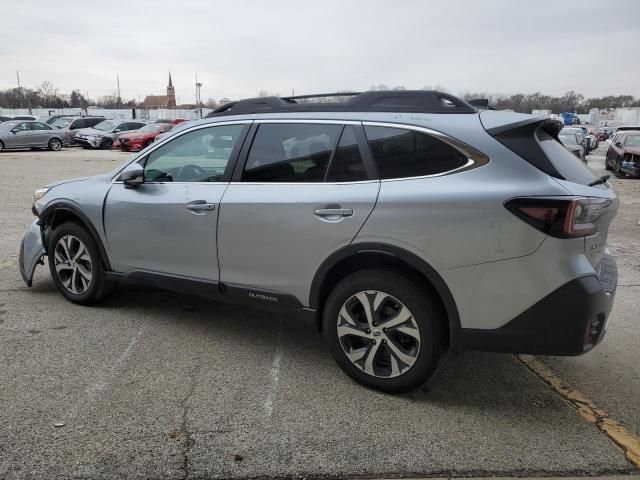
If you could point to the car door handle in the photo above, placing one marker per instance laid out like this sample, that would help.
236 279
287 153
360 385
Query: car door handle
200 206
333 212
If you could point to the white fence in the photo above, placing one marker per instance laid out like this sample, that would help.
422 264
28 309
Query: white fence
112 113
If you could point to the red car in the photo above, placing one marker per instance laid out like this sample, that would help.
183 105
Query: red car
136 141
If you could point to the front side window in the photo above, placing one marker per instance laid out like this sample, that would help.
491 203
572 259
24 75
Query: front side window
288 152
401 153
22 127
197 156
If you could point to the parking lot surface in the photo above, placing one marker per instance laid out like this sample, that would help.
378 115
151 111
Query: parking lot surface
153 384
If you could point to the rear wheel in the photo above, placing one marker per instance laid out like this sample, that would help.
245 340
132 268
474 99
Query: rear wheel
76 266
382 330
55 144
1 146
606 164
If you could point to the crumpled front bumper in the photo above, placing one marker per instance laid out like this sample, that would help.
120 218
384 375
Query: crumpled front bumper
31 252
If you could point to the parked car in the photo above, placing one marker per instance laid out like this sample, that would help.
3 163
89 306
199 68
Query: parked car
175 121
29 134
104 133
623 155
71 125
584 141
136 141
4 118
572 142
23 117
404 223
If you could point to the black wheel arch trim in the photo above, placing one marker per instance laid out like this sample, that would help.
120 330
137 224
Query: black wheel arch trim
50 211
406 257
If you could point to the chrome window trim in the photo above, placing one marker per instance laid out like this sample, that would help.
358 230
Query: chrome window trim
475 158
320 121
172 137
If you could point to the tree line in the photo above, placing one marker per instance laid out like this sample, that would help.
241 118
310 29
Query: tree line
48 96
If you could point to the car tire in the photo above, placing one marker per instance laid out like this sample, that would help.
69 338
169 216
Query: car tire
394 359
105 144
76 265
54 144
606 165
1 146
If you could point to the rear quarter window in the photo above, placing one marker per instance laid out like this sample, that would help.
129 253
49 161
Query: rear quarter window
403 153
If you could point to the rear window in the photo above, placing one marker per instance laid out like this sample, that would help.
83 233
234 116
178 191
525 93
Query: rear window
569 166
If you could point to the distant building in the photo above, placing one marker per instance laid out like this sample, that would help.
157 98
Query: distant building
161 101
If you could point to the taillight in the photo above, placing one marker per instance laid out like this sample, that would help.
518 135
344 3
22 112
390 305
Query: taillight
560 217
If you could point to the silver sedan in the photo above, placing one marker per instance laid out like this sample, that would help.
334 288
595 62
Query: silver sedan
30 134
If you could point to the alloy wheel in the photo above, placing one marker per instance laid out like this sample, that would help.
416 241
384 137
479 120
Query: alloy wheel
55 144
73 264
378 334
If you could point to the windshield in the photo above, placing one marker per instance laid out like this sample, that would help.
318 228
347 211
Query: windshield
105 126
568 139
152 128
6 126
62 123
633 141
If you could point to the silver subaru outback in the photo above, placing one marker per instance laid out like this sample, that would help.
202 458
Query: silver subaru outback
405 224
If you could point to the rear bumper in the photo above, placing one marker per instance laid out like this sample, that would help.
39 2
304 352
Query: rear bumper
569 321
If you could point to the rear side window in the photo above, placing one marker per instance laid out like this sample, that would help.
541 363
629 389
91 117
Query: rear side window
401 153
569 166
283 152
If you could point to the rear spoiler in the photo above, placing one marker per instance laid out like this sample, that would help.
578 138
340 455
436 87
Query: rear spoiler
520 137
549 125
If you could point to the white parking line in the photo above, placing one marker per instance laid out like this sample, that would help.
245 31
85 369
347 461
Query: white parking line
275 374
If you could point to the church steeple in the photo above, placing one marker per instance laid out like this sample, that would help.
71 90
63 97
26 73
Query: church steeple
171 93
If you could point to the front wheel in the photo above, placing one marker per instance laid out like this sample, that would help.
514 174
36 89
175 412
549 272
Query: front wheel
106 144
55 144
383 330
76 266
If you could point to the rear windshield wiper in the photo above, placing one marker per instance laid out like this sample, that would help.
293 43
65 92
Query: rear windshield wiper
600 181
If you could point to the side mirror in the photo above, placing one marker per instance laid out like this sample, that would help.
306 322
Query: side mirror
619 144
117 130
14 131
133 176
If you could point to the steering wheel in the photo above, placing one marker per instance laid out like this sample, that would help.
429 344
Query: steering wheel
190 172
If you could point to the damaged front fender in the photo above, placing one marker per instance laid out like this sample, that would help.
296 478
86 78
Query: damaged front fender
31 252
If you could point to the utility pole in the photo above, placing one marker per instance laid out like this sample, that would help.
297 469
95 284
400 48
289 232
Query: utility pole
19 88
118 99
198 87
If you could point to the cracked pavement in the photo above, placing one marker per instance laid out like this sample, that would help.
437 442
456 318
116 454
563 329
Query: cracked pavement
154 384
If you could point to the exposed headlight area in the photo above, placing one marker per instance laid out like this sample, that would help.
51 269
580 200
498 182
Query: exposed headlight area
39 193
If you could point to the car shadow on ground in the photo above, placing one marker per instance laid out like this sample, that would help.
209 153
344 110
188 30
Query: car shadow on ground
469 380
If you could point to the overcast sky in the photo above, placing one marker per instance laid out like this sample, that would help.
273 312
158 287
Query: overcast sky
238 48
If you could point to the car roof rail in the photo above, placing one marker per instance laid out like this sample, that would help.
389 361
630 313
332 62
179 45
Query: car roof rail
410 101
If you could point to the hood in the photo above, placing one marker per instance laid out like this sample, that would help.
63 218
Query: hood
632 150
68 180
92 131
105 176
136 134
